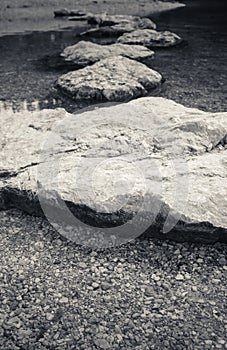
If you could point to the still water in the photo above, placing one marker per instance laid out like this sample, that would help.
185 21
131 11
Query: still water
195 72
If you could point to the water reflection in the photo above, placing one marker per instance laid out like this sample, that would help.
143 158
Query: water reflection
31 106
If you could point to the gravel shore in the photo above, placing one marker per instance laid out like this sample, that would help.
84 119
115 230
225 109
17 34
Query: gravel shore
144 295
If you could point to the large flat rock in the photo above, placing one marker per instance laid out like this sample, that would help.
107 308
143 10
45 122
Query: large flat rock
85 53
150 38
112 79
150 156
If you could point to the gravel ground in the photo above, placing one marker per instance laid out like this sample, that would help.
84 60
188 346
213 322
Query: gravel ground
144 295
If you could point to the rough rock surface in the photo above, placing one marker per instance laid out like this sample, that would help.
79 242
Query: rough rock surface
104 20
85 53
112 79
150 134
150 38
119 26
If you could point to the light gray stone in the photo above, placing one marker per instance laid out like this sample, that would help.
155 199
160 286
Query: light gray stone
150 38
112 79
85 53
142 139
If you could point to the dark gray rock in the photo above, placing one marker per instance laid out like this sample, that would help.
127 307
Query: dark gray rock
104 20
66 12
150 38
117 25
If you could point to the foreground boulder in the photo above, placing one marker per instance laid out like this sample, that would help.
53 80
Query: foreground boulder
150 38
151 155
85 53
112 79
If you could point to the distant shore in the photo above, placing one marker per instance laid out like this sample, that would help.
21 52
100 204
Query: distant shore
26 16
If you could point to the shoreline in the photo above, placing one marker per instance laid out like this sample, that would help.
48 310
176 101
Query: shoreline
22 19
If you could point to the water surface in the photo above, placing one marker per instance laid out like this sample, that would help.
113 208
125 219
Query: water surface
195 72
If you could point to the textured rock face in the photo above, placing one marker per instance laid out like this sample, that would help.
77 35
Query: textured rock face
117 25
150 38
111 79
86 53
148 148
108 20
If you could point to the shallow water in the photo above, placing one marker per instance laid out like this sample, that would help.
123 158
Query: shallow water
195 72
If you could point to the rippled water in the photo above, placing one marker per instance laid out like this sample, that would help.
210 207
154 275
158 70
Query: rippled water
195 72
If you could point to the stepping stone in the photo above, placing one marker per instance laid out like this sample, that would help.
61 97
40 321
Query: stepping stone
85 53
150 38
150 156
117 25
112 79
104 20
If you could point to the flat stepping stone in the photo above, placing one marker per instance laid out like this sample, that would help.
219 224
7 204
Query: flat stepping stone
85 53
150 38
112 79
104 20
117 25
150 155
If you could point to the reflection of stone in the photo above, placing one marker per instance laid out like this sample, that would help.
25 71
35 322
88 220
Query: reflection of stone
150 38
85 53
166 146
67 12
111 79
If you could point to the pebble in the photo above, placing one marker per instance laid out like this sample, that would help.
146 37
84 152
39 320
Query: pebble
222 261
95 285
179 277
105 286
215 280
130 311
102 344
149 291
82 265
64 300
155 278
